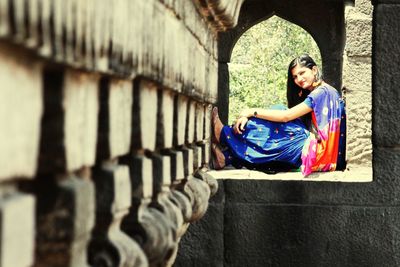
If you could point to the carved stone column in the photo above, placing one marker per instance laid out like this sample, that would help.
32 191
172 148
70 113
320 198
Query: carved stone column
110 246
65 217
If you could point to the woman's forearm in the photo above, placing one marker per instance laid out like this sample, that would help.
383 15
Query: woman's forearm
277 115
265 114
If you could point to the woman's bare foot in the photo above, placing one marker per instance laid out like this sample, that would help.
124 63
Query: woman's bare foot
218 157
216 125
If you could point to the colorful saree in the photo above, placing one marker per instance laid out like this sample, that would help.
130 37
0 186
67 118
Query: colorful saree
267 145
324 149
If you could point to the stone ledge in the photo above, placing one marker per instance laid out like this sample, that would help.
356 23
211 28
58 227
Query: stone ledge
356 174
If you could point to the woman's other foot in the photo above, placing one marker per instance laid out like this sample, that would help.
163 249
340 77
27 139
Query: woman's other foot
216 126
218 158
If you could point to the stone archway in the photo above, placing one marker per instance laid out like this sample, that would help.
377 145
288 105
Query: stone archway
343 33
324 20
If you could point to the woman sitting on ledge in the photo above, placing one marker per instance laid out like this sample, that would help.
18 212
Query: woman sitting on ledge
310 134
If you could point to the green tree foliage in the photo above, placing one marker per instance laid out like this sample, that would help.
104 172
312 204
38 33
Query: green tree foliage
259 62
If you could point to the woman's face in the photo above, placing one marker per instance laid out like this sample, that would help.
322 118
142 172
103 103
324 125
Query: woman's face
304 77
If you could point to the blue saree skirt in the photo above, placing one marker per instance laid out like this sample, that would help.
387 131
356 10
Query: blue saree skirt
265 144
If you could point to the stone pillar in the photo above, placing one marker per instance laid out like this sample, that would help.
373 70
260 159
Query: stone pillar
65 218
357 82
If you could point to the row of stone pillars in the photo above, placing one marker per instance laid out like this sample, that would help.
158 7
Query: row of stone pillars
105 125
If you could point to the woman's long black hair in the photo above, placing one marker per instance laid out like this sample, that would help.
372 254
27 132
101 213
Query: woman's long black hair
295 94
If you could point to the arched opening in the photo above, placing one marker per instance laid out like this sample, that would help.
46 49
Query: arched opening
259 60
337 30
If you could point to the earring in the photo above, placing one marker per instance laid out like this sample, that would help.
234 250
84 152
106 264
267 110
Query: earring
317 81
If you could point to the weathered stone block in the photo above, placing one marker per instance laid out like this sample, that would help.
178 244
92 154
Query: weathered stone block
113 188
144 128
359 129
178 161
17 239
386 76
115 118
357 75
180 114
213 80
21 107
207 122
364 6
187 161
165 119
358 35
197 157
141 175
206 153
190 127
81 107
161 173
199 134
120 108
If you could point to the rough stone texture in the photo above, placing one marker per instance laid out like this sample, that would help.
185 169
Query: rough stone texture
364 6
81 105
357 76
21 108
387 77
358 34
17 222
310 235
359 121
357 80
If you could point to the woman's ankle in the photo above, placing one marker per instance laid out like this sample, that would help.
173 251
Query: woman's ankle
218 157
217 126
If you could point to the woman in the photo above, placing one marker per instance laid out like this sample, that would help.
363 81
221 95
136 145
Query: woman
309 135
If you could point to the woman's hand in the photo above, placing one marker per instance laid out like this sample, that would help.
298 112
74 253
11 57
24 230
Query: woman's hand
239 125
248 112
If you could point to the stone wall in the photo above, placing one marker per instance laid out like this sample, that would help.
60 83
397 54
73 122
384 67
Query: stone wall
104 141
314 224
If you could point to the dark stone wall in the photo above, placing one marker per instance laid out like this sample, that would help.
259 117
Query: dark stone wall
314 224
